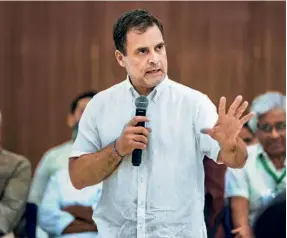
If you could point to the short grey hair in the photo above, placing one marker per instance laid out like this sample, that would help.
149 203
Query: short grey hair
265 103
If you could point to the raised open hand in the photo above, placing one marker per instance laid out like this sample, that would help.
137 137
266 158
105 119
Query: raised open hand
228 125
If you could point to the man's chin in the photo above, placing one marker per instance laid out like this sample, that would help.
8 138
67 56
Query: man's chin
277 150
154 80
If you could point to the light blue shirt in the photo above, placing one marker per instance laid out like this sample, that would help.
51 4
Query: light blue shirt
60 193
55 159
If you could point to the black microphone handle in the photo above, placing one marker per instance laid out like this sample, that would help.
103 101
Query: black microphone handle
137 153
137 157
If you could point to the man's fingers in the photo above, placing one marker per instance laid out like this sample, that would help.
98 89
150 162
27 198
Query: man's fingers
241 109
137 119
246 118
207 131
234 231
140 138
222 106
234 106
139 130
138 145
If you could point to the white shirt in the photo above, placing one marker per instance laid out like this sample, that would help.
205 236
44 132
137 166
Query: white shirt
60 193
253 182
53 160
164 196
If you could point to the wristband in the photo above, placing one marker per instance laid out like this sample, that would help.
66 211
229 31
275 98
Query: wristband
116 151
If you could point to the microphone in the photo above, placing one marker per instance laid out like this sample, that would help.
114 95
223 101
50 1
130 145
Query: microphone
141 106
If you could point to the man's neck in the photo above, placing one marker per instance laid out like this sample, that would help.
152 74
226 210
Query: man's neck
141 90
144 91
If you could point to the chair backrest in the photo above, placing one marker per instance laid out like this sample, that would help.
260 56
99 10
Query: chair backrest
31 220
227 222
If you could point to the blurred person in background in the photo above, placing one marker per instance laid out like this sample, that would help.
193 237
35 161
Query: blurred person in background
272 220
247 135
263 177
15 178
57 157
66 211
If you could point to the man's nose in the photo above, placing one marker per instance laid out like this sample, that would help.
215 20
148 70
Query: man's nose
154 58
274 133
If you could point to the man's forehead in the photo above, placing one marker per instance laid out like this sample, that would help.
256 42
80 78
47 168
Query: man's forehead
151 37
273 115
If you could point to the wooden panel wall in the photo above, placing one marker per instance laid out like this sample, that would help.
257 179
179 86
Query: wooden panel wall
51 51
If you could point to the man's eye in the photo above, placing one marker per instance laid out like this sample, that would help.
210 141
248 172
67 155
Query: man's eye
265 127
280 126
142 51
159 47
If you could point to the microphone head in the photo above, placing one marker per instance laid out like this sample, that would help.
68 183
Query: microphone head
141 102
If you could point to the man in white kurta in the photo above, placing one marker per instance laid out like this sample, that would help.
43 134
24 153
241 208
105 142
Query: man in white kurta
150 197
164 196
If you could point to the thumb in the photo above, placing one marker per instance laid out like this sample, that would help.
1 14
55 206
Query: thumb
207 131
234 231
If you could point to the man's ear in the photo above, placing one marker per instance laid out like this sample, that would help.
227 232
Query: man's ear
120 58
70 120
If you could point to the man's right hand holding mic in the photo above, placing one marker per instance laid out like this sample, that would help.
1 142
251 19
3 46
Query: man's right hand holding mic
133 140
133 137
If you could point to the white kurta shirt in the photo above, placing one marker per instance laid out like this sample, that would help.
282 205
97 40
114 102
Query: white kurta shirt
164 196
253 182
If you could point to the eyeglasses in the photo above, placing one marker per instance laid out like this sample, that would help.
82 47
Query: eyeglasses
278 126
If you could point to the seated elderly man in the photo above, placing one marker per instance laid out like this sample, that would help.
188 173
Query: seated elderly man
15 177
66 211
252 188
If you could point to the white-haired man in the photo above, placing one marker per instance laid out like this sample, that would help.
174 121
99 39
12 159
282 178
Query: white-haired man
263 177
